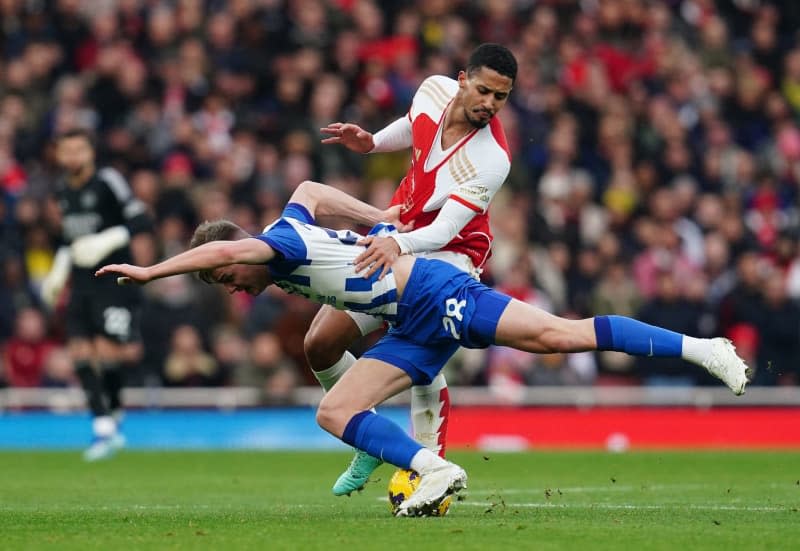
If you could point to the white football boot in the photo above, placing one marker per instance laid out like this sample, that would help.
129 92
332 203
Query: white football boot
104 448
434 487
724 364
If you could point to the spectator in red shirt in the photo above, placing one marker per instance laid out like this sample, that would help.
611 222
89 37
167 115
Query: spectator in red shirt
26 351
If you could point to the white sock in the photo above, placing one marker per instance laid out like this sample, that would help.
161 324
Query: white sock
695 350
328 377
426 413
104 426
424 461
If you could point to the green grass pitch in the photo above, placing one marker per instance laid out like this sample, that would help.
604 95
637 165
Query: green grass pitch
538 500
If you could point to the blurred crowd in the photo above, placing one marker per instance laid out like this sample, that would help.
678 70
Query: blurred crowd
656 162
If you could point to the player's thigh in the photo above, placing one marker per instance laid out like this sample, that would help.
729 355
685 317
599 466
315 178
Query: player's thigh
526 327
80 348
366 384
79 324
110 350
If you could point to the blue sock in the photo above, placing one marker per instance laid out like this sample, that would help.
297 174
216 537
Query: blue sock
381 438
623 334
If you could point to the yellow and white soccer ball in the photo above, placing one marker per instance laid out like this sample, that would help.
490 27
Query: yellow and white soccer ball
402 484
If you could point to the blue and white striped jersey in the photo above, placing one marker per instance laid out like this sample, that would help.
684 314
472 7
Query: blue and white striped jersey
318 263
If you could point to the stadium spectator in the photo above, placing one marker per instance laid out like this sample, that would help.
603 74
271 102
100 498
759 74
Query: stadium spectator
26 352
269 370
188 364
16 293
669 307
779 346
59 372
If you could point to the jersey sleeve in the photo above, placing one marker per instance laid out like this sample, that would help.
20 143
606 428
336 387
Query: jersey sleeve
451 219
299 212
477 193
133 210
282 236
393 137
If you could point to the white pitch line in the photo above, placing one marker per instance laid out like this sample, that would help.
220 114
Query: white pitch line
617 506
622 506
591 489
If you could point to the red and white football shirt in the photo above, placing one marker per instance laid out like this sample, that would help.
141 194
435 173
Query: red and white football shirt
470 172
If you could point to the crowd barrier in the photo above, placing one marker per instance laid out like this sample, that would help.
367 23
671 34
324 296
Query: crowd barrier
616 419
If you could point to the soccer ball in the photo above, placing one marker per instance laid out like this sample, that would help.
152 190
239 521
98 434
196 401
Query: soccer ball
402 484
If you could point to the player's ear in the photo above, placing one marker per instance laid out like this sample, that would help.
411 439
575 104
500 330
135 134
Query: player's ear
462 79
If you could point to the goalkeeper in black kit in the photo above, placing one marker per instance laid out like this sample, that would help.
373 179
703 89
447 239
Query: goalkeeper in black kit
100 218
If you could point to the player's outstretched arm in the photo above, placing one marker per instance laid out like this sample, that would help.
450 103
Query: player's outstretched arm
323 200
205 257
394 137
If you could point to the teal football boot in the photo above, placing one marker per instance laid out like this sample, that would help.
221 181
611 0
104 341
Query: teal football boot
357 474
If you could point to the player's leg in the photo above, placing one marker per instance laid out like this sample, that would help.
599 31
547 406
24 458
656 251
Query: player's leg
430 410
114 316
430 404
365 385
112 359
528 328
118 341
80 332
326 342
82 353
104 426
331 333
345 413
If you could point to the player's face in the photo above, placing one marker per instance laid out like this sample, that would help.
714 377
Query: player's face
249 278
74 154
484 93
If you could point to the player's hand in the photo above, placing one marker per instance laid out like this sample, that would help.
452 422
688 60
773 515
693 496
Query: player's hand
135 274
392 216
380 255
352 136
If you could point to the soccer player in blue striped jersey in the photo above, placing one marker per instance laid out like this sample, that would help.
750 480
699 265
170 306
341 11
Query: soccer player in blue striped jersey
432 308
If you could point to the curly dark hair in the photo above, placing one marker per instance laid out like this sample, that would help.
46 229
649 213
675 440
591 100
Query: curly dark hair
495 57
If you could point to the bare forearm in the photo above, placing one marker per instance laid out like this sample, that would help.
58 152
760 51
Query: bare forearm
324 200
205 257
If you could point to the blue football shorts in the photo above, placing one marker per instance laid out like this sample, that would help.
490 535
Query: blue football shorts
441 309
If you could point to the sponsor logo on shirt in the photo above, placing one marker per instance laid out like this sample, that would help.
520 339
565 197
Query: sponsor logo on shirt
481 193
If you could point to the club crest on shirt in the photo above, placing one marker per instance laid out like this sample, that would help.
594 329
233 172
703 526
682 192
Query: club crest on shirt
408 194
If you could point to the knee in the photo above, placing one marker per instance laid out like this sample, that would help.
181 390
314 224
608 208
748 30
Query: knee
331 418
